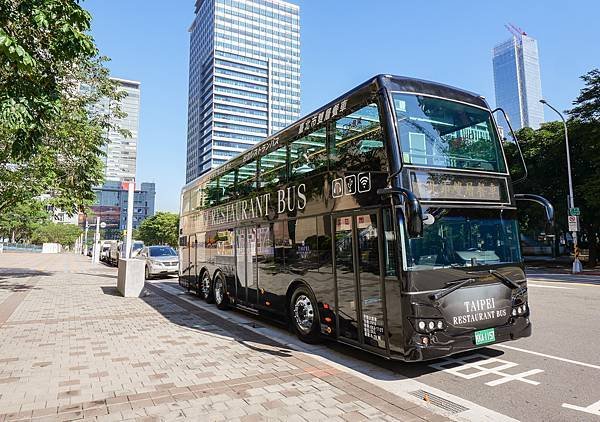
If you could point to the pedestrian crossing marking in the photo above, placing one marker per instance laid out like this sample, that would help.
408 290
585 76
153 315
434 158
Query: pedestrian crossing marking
477 365
593 408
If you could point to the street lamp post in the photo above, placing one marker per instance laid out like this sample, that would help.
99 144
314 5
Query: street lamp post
576 263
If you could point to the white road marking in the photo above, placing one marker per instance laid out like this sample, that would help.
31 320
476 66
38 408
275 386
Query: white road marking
588 365
593 409
480 366
530 284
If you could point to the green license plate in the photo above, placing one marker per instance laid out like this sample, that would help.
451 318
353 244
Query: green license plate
485 336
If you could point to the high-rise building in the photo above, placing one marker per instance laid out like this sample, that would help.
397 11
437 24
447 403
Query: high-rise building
119 166
111 206
517 80
121 152
244 79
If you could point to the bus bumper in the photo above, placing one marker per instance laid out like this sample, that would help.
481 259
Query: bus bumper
442 344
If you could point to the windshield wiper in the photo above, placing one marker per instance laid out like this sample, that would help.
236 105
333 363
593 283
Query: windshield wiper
504 279
439 295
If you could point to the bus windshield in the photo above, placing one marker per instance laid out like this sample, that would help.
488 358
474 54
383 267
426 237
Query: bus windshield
464 238
447 134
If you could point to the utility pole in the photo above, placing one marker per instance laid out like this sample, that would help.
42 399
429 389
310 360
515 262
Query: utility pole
577 267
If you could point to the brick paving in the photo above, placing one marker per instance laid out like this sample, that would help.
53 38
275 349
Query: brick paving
71 348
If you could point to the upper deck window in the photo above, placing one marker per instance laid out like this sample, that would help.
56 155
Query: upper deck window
447 134
358 144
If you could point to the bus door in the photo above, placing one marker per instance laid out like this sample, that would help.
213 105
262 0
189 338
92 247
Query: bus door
194 264
360 304
245 253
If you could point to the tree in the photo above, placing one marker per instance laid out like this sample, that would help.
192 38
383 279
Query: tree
22 220
57 104
64 234
40 40
544 151
160 229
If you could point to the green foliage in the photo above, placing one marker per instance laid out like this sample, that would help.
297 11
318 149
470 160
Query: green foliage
160 229
64 234
52 129
40 41
545 154
22 220
587 105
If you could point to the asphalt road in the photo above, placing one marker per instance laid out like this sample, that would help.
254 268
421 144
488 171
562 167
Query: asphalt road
554 375
565 345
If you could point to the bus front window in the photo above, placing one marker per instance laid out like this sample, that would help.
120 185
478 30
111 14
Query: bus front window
447 134
465 238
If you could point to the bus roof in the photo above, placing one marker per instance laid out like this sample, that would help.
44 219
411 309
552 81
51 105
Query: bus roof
389 82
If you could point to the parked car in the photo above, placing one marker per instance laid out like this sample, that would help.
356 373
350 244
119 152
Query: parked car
105 250
136 248
160 260
113 253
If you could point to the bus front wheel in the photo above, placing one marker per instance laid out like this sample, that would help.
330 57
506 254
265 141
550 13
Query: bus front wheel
220 294
304 315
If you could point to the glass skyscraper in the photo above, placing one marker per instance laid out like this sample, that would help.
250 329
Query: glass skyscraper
517 80
121 152
244 79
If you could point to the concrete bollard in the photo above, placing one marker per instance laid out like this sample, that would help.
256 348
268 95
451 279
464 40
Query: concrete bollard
131 277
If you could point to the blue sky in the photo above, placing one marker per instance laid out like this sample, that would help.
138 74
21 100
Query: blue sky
343 43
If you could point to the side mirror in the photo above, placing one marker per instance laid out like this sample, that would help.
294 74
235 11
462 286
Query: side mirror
516 143
412 206
539 200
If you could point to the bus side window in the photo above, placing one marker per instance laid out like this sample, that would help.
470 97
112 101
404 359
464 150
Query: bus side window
280 239
246 179
185 206
358 143
211 193
308 154
226 187
301 256
273 168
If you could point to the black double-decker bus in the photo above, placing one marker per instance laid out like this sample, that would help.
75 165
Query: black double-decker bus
385 220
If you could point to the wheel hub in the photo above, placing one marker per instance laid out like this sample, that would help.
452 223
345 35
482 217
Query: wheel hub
205 285
303 313
218 291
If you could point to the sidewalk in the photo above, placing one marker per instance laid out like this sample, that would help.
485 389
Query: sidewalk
72 348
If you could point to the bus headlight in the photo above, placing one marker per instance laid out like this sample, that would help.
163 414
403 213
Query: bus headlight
428 325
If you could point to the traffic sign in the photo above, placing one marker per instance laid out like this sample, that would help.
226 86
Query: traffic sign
573 223
574 211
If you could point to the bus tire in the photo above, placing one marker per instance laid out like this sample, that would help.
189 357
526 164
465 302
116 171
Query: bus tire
304 315
220 292
205 290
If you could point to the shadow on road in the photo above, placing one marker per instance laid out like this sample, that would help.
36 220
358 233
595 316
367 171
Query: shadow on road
182 313
356 359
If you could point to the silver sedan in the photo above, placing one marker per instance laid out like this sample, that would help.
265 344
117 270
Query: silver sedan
160 260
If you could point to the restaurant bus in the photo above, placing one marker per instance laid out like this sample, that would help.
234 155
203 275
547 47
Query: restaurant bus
385 220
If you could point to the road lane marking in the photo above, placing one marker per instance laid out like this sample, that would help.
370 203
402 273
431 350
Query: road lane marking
593 409
465 368
588 365
530 284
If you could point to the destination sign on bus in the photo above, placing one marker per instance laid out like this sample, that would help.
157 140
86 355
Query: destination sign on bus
444 186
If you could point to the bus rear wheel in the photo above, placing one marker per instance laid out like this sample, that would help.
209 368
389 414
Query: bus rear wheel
304 315
205 290
220 294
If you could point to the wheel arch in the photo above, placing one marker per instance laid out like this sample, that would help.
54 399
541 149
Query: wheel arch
290 291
